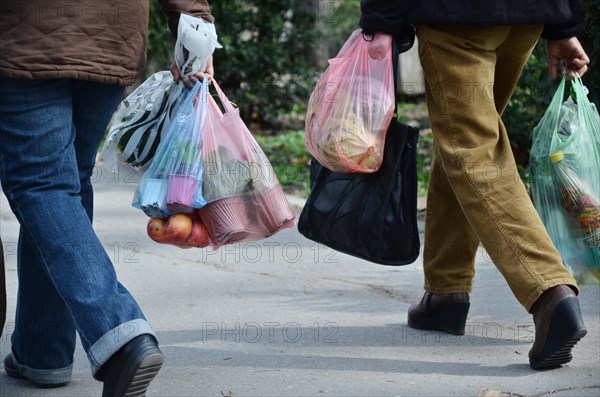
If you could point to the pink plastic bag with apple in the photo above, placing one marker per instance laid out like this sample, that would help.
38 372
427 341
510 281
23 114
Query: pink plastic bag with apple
350 109
245 201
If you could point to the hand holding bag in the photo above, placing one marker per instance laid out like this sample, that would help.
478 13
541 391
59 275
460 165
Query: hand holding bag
565 182
372 216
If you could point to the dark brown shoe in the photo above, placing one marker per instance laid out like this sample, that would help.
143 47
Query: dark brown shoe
558 327
440 312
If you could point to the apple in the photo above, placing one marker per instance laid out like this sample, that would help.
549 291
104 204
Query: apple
178 228
199 236
156 230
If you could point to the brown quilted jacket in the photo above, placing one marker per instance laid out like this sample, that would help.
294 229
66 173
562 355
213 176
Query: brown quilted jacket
102 41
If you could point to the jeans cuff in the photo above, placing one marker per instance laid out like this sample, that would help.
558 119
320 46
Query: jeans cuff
45 376
115 339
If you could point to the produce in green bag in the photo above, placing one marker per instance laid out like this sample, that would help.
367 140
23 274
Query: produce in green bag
577 199
565 164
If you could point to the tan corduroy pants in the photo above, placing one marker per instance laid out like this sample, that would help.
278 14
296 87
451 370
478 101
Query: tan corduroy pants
475 192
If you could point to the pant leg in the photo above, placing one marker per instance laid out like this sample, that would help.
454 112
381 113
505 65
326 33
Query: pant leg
450 243
460 65
2 290
44 331
52 346
90 125
39 173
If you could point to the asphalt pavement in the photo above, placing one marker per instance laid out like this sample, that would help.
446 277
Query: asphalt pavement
288 317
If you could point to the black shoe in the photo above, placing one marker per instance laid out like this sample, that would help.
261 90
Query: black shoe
558 327
11 370
440 312
129 371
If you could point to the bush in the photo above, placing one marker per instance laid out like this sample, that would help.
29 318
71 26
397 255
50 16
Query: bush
591 42
160 42
267 64
290 160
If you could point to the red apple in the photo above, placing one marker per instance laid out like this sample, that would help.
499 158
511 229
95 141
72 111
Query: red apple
156 230
178 228
199 236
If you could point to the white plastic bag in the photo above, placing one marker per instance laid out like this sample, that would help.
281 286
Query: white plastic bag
196 42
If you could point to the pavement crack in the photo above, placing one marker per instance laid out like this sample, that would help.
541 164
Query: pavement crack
380 289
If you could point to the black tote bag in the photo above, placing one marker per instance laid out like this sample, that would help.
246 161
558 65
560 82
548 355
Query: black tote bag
370 216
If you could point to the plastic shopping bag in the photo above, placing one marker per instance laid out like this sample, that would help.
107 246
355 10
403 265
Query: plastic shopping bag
350 109
173 182
565 169
196 42
136 127
245 200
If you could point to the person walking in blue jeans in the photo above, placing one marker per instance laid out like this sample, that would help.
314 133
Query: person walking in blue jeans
63 69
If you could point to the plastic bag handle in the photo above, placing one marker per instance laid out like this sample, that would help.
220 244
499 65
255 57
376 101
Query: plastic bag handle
222 97
556 103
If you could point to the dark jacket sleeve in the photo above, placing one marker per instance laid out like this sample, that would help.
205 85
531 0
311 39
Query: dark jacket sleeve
173 8
571 28
382 16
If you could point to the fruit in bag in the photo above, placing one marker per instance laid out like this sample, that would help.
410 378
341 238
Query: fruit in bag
156 229
181 230
177 228
199 236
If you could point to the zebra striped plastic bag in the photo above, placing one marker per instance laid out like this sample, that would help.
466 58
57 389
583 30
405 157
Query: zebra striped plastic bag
136 127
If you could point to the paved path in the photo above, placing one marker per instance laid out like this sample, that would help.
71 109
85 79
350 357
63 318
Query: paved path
286 317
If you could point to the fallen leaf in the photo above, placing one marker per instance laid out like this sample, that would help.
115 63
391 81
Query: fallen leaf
488 393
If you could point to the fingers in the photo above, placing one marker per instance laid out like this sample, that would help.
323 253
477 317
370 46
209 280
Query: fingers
210 69
554 65
555 71
580 71
175 71
571 53
379 46
579 65
190 81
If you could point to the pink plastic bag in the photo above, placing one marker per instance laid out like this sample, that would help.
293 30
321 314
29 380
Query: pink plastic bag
245 200
350 109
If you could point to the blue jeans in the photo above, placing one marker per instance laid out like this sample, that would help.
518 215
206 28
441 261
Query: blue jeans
50 131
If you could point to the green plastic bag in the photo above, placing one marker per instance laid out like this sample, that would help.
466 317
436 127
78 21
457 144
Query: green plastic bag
565 179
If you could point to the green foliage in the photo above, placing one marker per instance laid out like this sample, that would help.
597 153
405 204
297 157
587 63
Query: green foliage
337 19
267 63
290 160
591 41
160 42
424 156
